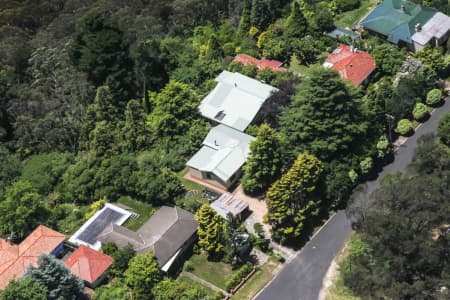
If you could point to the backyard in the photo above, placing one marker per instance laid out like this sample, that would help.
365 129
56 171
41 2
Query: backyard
144 210
216 273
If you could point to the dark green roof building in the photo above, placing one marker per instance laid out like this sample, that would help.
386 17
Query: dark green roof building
397 20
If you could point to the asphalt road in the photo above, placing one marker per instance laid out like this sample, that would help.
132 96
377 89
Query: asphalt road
302 278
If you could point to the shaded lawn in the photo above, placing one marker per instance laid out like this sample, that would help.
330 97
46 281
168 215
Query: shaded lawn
144 210
349 18
192 186
216 273
257 281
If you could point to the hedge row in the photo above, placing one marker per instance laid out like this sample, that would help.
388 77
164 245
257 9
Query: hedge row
238 276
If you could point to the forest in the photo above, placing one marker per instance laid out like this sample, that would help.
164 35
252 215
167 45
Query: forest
98 102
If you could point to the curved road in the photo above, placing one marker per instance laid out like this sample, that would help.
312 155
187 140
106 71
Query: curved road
301 279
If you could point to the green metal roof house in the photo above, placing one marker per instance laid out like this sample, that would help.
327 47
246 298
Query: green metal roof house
236 100
220 159
398 20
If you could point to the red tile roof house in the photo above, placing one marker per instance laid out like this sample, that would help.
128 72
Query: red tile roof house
352 64
14 259
261 64
89 264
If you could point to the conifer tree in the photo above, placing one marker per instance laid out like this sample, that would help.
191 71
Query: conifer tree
292 200
264 162
211 230
296 24
53 274
244 23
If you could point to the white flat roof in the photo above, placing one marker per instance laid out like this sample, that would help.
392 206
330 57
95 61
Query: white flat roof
235 100
227 203
88 233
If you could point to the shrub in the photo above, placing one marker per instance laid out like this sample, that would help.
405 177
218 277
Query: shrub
404 127
189 266
420 111
366 165
238 276
259 229
353 175
382 147
434 97
345 5
444 130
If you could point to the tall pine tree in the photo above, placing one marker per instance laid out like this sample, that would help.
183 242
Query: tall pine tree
296 24
264 162
211 230
293 199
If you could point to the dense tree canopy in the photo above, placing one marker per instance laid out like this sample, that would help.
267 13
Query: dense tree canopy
264 162
325 117
57 278
24 289
294 198
142 274
405 253
22 209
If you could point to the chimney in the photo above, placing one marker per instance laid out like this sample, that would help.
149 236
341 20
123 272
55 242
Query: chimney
402 8
235 84
418 27
351 48
215 143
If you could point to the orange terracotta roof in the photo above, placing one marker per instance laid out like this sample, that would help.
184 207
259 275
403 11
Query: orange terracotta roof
14 259
88 264
274 65
354 65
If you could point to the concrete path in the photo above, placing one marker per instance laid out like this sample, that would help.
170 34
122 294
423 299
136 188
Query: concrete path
302 278
204 282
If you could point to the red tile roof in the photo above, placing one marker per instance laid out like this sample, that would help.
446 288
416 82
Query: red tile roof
88 263
274 65
14 259
354 65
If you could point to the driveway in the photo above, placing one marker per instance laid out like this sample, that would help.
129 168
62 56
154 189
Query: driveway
302 278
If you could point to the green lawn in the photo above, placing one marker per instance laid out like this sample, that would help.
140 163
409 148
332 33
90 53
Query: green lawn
216 273
349 18
257 281
144 210
198 286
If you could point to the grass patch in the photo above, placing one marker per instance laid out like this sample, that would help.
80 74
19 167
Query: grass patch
195 198
338 290
216 273
349 18
144 210
198 286
257 281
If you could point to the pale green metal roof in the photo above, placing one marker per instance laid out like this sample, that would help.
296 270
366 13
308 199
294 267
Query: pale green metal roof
224 152
397 19
235 100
